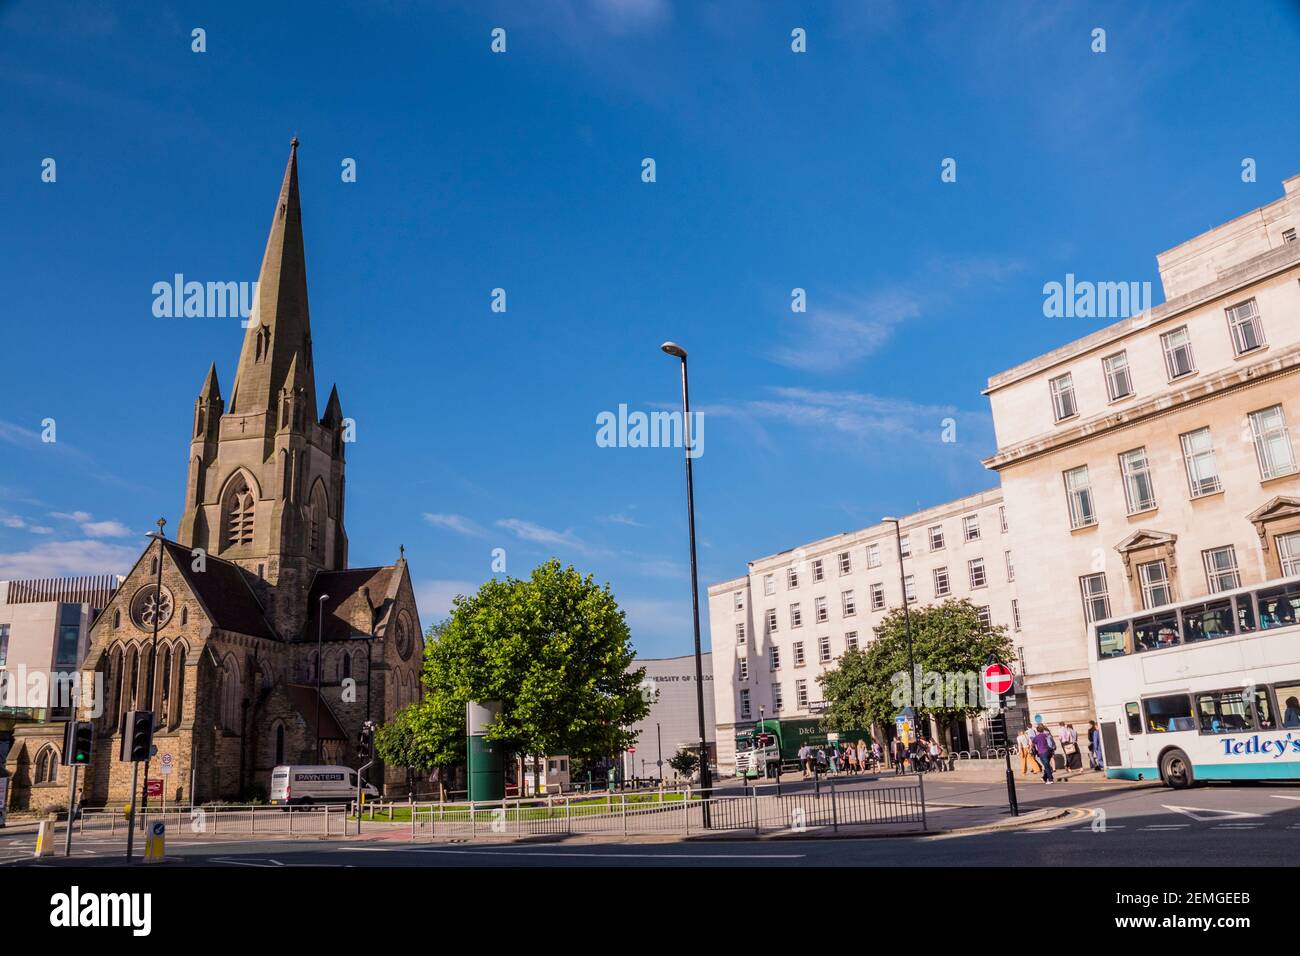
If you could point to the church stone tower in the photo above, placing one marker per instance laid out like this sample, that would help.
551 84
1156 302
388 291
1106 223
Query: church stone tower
265 485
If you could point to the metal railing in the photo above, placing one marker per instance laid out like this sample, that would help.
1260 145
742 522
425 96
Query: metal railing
224 820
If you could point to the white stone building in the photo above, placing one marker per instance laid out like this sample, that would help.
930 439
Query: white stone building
774 630
1154 460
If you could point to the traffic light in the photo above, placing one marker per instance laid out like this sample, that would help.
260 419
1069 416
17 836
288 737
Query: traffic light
137 736
365 746
78 742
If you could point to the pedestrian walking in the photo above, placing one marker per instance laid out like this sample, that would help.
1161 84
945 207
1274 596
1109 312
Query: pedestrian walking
805 760
1045 747
1094 747
900 756
864 757
1025 744
876 754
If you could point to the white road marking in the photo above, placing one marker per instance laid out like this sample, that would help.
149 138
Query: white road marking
1211 814
1283 796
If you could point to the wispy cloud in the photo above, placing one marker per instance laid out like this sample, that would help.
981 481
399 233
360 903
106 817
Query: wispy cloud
19 523
622 519
457 523
838 333
106 529
538 534
58 558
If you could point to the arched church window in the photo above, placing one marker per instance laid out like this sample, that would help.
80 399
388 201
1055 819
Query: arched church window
239 511
47 765
117 618
319 512
230 695
279 744
178 696
347 665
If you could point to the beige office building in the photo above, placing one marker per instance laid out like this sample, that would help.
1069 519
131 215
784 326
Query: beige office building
1154 461
788 619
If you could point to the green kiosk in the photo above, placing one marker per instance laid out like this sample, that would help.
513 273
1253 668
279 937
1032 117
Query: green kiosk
485 768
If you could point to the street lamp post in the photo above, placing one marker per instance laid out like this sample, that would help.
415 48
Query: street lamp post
320 625
907 614
706 782
153 664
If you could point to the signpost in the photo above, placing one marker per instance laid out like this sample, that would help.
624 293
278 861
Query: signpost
998 680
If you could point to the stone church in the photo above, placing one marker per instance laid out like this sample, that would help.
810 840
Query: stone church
257 573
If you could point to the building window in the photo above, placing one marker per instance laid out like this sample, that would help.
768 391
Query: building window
1247 333
279 744
769 585
877 597
778 699
1138 491
744 704
851 640
970 526
817 571
799 660
4 644
739 601
819 605
1002 518
1011 569
942 585
743 668
740 632
1288 235
936 538
791 578
985 616
47 766
1198 456
849 602
978 579
824 648
1288 550
1063 405
1015 614
1178 353
1221 569
1156 591
801 693
905 546
1079 493
1119 383
846 563
873 556
771 620
909 588
1272 443
796 615
774 658
1096 599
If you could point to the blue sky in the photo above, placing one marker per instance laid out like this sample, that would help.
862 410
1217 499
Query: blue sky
476 430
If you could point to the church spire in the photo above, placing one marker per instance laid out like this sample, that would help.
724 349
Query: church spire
279 327
211 391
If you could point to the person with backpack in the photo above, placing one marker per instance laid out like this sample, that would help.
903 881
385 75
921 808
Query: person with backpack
1045 748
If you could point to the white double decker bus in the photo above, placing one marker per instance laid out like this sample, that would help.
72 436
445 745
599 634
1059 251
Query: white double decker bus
1202 690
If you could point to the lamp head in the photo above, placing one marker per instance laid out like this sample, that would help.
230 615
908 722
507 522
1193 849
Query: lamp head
323 598
672 348
888 518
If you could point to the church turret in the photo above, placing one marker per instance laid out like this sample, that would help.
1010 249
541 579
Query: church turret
208 408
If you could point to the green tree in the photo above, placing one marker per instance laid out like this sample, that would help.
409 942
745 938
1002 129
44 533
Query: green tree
554 649
950 647
684 762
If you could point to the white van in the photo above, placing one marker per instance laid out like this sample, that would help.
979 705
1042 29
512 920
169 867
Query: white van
316 784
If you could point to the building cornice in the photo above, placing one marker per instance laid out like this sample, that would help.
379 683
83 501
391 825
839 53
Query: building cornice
1252 271
1279 363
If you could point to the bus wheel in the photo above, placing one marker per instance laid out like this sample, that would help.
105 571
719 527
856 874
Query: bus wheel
1176 770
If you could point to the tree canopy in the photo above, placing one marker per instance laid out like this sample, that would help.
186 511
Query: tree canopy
554 649
950 646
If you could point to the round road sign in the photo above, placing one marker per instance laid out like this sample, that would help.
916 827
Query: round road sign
998 679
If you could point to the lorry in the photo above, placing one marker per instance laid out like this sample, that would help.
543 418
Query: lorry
772 746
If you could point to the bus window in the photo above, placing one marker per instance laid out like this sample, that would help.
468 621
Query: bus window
1245 614
1134 718
1264 710
1288 698
1169 714
1224 712
1277 606
1155 632
1203 622
1112 640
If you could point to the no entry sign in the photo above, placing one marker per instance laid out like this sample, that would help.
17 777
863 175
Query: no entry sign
998 679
